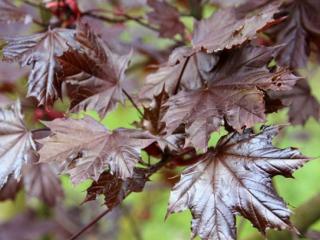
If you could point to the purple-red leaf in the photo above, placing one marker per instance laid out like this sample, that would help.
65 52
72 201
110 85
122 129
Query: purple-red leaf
224 30
95 75
16 143
84 148
115 189
297 32
233 93
235 178
302 104
167 17
40 50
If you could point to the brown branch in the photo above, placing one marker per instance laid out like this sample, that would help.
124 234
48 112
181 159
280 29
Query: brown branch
132 102
153 169
304 216
92 223
195 7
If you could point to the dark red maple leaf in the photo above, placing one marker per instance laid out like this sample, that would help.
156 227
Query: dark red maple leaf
297 32
115 189
167 17
84 148
17 145
225 30
235 178
302 104
39 50
96 75
233 93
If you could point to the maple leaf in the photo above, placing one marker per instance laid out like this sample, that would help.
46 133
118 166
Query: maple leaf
182 67
235 178
96 75
115 189
40 50
41 181
16 145
10 13
302 104
297 32
224 30
84 148
233 94
10 189
167 17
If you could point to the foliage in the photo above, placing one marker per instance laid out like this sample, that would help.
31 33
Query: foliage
229 72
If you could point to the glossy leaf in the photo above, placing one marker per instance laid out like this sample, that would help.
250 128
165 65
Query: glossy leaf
235 178
40 50
16 143
84 148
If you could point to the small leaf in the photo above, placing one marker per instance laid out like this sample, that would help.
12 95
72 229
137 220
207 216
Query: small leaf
115 189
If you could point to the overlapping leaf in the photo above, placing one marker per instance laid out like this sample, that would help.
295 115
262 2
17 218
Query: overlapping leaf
40 50
189 73
84 148
16 143
302 104
297 32
167 17
233 94
10 13
115 189
224 30
96 74
235 178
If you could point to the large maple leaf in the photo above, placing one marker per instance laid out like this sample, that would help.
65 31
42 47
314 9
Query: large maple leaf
40 51
16 143
84 148
235 178
233 94
301 27
225 29
96 75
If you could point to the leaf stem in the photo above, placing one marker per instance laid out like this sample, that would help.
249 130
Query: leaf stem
153 169
132 102
181 74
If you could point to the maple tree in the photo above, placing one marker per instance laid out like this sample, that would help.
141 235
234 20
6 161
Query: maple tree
228 71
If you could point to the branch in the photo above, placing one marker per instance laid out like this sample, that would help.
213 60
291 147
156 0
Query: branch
195 9
304 216
132 102
153 169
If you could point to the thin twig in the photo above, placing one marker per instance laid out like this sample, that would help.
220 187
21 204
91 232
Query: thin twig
132 102
153 169
93 222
